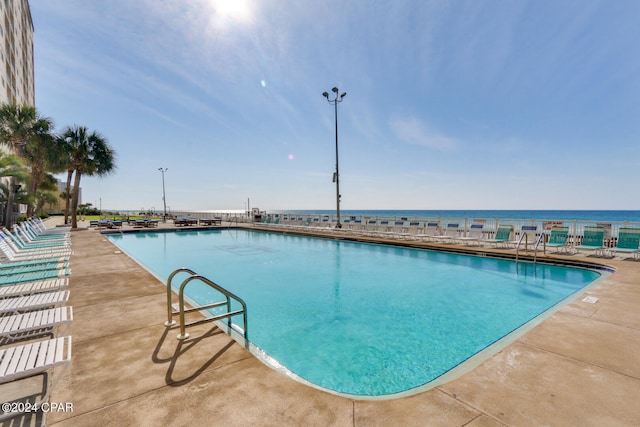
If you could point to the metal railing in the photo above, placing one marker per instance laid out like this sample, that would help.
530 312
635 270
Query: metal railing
523 236
490 225
181 311
541 239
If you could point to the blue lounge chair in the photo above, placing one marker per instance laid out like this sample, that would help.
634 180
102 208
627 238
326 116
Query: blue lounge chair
593 240
628 242
502 237
8 269
33 276
559 238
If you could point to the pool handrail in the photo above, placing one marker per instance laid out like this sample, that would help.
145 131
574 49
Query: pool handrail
170 312
229 295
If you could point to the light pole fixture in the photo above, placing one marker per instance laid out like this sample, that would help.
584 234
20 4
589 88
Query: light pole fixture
164 199
336 175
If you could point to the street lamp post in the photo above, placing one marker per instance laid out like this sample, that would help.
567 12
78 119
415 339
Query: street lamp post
164 199
336 176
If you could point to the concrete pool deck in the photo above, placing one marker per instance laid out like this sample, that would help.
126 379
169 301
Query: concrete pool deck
580 366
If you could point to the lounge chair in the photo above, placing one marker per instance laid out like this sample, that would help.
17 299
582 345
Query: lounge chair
51 251
39 301
33 228
305 224
320 224
22 243
502 237
30 288
431 231
15 256
209 221
474 235
40 225
357 227
33 262
528 236
450 233
7 269
30 234
35 323
10 279
398 227
628 242
390 229
593 240
369 228
37 358
558 238
412 230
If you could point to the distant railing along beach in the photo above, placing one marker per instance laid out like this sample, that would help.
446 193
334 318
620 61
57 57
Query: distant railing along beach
490 225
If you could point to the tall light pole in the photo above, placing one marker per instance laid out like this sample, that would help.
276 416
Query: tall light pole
336 175
164 199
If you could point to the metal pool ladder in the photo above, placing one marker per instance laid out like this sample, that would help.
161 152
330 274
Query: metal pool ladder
180 310
524 237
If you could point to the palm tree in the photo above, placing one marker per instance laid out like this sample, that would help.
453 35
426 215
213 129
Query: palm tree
11 166
16 128
89 154
47 192
43 155
66 145
44 197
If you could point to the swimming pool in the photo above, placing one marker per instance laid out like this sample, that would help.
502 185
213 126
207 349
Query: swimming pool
361 319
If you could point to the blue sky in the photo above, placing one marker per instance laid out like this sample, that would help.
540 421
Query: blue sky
450 104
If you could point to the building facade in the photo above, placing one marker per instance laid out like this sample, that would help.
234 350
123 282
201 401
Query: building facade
16 53
17 84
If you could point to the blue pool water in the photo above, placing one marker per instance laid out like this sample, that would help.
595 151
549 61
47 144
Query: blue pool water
357 318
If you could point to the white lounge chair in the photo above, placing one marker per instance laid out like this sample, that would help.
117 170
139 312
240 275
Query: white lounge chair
33 229
40 225
431 231
450 233
474 235
18 244
35 323
37 358
414 229
30 288
19 240
528 236
13 253
26 303
370 227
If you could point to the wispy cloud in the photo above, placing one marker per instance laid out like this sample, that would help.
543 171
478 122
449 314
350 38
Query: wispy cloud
413 131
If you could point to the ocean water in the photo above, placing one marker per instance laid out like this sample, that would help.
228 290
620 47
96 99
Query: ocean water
564 215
